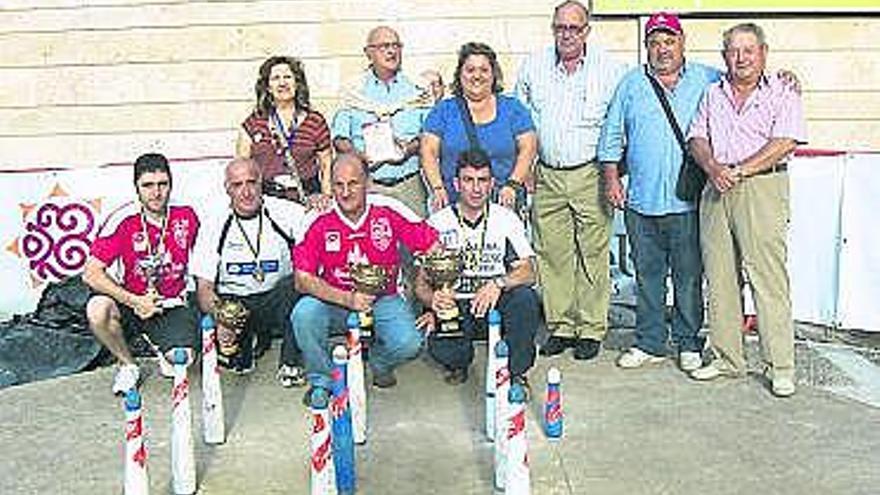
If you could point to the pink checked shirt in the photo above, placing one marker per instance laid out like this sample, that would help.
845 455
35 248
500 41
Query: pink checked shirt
773 110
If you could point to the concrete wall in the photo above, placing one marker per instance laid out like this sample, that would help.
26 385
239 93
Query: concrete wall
88 83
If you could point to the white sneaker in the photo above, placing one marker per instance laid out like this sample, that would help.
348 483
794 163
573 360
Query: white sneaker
127 378
635 358
783 387
689 361
716 369
290 376
166 369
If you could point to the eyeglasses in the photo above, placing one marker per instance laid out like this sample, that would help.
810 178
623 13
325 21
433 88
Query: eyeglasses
572 29
396 45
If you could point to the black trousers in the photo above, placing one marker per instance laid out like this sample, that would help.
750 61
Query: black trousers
520 317
270 313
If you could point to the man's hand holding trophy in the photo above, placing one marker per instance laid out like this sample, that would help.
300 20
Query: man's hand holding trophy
370 281
443 268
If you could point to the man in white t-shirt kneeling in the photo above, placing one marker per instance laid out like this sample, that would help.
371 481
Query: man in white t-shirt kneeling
498 271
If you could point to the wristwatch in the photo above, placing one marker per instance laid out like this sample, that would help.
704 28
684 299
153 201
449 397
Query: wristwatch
499 282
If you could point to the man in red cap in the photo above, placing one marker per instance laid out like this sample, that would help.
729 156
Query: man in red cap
663 229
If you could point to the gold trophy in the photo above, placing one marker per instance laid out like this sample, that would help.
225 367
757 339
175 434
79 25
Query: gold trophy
443 269
372 280
232 314
151 266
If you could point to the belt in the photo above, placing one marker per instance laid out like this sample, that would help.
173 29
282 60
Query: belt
395 181
781 167
569 167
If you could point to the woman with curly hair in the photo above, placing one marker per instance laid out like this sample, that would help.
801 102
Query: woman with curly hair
288 140
478 117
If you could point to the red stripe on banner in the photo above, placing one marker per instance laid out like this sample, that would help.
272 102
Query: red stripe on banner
322 455
318 422
339 404
517 424
180 392
140 456
134 428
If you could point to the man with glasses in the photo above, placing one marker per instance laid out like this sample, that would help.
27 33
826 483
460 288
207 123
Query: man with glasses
567 88
380 120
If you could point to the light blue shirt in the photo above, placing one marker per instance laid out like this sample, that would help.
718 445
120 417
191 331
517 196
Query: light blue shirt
636 121
407 123
568 109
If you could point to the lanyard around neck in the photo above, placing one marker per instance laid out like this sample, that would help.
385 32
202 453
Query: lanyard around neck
472 260
288 138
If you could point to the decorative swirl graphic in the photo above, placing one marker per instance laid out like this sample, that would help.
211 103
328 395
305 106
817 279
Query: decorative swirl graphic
57 240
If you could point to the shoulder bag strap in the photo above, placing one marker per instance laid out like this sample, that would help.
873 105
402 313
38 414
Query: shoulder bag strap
661 95
468 121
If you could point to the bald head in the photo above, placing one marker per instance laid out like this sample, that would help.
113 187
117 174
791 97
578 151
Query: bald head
384 51
243 185
380 33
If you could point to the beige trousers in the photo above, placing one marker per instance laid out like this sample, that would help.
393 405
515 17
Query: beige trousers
744 230
572 235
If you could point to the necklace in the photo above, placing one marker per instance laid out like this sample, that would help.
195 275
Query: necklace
471 258
153 261
258 273
286 141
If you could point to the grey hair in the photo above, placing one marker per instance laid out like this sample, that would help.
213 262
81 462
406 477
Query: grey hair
587 9
746 27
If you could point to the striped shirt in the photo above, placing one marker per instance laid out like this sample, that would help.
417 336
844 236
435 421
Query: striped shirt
773 110
568 109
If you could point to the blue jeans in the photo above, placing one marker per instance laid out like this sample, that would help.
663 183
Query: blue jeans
395 338
661 243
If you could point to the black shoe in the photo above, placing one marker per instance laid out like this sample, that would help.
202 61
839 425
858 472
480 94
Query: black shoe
384 380
554 346
456 376
586 349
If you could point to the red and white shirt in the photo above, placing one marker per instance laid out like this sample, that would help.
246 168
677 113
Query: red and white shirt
121 238
333 242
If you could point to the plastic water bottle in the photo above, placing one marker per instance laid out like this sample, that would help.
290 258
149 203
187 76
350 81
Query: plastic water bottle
553 405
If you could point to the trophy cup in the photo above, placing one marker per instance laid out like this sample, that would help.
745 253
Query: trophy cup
151 266
443 269
232 314
368 279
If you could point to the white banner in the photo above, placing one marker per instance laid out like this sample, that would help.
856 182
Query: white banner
859 286
816 188
48 219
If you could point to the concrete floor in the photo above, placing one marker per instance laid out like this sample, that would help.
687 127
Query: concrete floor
648 431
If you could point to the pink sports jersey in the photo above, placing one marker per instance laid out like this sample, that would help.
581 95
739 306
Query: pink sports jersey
333 242
121 237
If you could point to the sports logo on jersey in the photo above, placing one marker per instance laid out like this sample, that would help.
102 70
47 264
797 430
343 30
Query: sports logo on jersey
180 232
332 241
381 233
139 242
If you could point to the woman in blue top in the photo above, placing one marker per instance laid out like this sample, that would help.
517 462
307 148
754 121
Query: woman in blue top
504 129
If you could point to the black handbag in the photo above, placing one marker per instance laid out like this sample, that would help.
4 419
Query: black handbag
691 178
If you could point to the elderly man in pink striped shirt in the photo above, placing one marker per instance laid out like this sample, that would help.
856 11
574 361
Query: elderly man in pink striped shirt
746 128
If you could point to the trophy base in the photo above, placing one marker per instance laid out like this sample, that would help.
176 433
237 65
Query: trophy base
449 329
171 302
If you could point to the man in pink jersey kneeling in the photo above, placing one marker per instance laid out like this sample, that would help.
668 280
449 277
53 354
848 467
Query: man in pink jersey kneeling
358 229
